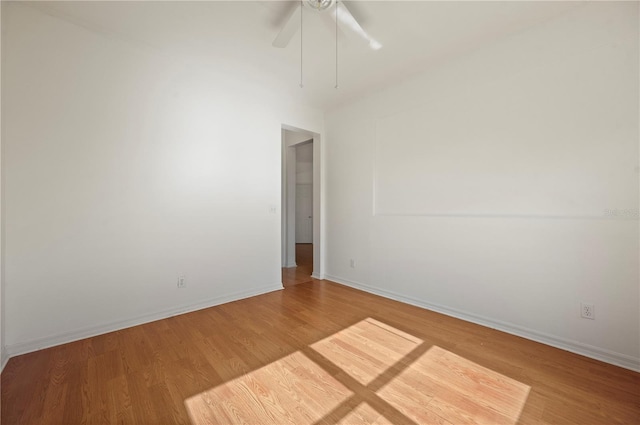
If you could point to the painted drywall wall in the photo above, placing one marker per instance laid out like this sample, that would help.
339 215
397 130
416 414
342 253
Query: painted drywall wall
3 355
304 200
304 164
125 169
502 187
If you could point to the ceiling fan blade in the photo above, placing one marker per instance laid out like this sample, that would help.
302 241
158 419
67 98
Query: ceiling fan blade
357 11
345 17
289 28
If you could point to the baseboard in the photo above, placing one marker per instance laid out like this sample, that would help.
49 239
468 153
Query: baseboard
318 276
66 337
4 358
607 356
290 265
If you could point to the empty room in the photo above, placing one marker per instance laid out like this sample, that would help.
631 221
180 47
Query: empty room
320 212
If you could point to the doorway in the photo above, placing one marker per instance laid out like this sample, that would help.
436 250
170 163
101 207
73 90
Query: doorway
301 224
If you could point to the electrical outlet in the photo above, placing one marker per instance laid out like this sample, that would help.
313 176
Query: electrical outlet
587 311
181 282
352 263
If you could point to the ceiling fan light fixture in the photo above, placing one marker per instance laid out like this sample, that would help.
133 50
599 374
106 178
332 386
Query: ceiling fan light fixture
319 4
375 45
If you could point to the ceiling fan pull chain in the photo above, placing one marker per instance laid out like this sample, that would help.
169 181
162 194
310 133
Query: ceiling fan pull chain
336 44
301 7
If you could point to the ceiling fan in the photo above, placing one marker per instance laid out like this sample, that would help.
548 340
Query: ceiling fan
343 15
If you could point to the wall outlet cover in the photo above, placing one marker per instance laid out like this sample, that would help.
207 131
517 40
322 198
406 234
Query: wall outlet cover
587 311
181 282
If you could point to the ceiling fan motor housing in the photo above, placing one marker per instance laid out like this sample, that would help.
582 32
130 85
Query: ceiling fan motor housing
319 4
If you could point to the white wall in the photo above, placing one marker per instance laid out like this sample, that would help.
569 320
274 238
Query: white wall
124 169
304 176
3 355
304 164
484 188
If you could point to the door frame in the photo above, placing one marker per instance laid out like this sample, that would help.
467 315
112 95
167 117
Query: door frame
288 178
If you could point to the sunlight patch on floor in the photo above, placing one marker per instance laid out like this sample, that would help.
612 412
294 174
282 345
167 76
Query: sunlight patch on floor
367 349
455 389
368 373
364 414
292 390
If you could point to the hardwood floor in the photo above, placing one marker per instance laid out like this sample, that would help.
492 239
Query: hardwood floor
301 274
314 353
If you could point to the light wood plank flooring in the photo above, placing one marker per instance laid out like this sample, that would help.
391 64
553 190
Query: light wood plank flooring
314 353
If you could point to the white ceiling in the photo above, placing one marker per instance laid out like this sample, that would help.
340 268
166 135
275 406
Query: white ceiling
415 35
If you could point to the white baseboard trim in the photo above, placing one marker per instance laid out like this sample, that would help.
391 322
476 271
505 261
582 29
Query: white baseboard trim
604 355
290 265
317 276
4 358
66 337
